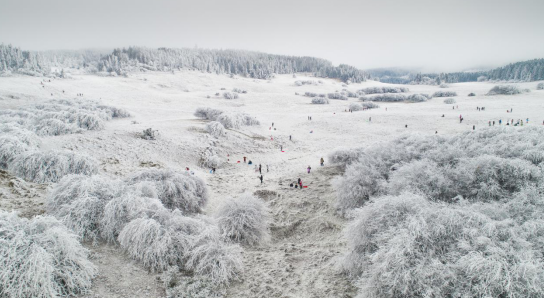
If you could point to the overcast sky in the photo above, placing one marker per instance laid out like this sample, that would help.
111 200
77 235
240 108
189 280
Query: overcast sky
437 35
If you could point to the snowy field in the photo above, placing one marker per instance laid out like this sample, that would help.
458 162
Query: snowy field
302 258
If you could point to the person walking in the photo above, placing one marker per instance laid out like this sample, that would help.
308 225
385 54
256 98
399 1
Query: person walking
213 170
322 161
473 127
281 148
500 121
272 124
309 169
267 168
261 178
289 137
299 182
260 171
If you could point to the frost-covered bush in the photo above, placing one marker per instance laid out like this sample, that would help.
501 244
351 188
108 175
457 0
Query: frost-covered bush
149 134
408 246
176 190
540 86
352 94
51 166
306 82
10 147
238 90
312 94
481 79
472 94
369 105
178 285
355 107
230 95
227 120
345 156
444 93
210 159
417 97
488 165
41 258
386 97
504 90
320 100
444 85
450 101
216 129
337 96
245 219
378 90
208 113
57 117
79 202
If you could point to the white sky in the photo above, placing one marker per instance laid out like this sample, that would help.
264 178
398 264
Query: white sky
437 35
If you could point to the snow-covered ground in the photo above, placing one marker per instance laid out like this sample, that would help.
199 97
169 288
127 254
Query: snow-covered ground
301 260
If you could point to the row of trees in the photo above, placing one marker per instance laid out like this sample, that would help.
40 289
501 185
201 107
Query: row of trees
531 70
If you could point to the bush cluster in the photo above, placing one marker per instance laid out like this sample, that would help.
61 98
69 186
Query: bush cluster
450 101
235 120
337 95
444 93
504 90
320 100
379 90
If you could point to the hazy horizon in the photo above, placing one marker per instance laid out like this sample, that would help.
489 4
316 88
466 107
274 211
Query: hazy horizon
433 36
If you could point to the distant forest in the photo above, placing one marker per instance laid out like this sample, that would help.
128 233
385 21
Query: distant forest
237 62
527 71
122 61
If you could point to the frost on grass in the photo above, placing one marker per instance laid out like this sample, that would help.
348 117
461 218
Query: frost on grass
41 258
244 219
320 100
450 101
444 94
409 246
178 285
505 90
51 166
176 190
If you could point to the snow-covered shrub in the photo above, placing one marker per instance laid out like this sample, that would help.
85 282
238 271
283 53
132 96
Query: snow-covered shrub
352 94
51 166
355 107
337 96
472 94
79 202
444 93
345 156
408 246
55 127
245 219
378 90
41 258
386 97
481 79
10 147
540 86
208 113
443 85
230 95
306 82
216 129
310 94
504 90
450 101
149 134
121 210
209 158
320 101
176 190
417 97
488 165
210 256
369 105
238 90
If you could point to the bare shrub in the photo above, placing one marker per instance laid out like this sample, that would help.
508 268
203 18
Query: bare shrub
41 258
245 219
